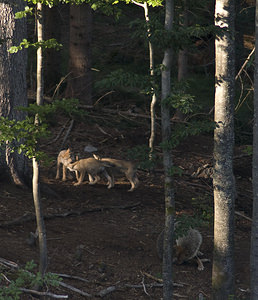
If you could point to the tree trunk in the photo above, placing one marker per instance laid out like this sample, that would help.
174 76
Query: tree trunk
223 273
36 170
182 55
254 235
80 81
12 85
167 265
182 60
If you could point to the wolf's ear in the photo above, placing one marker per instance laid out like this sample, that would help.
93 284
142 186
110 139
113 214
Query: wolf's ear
96 156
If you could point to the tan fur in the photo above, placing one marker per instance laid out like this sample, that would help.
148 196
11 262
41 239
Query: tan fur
65 157
186 248
123 166
93 168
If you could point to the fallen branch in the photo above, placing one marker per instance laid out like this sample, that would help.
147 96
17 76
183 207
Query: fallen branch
31 217
47 294
74 289
71 277
151 285
8 263
106 291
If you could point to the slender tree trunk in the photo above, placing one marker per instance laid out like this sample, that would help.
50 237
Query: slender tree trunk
80 81
183 53
223 272
36 169
254 235
182 60
168 164
154 97
12 85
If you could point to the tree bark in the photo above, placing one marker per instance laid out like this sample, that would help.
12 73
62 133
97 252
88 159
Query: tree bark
254 235
223 272
167 265
80 82
13 91
36 170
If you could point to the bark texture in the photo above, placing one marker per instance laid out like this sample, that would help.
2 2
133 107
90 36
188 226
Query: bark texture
254 235
12 83
223 273
36 168
80 81
167 266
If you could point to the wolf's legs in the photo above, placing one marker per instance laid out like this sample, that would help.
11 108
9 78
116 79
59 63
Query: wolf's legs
200 264
64 173
110 179
93 180
133 180
80 180
57 170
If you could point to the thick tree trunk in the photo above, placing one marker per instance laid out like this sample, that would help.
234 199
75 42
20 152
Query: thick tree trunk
167 265
80 80
12 84
223 273
254 236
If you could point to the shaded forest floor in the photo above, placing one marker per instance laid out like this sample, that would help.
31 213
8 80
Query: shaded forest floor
109 237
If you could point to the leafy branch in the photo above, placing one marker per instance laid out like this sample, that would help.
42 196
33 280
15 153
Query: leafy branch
51 43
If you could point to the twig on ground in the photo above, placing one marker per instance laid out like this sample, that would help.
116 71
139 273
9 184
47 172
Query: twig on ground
47 294
103 131
144 287
106 291
74 289
8 263
71 277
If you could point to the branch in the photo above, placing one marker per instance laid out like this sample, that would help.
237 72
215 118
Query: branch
71 277
48 294
74 289
106 291
245 63
137 3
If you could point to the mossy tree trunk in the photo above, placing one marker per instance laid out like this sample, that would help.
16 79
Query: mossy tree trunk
223 271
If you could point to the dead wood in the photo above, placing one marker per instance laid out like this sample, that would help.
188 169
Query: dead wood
106 291
74 289
46 294
71 277
8 263
27 217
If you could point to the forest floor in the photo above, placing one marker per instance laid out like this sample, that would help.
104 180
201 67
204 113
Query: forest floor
108 237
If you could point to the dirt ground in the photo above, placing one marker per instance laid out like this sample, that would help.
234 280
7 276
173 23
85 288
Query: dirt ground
108 237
